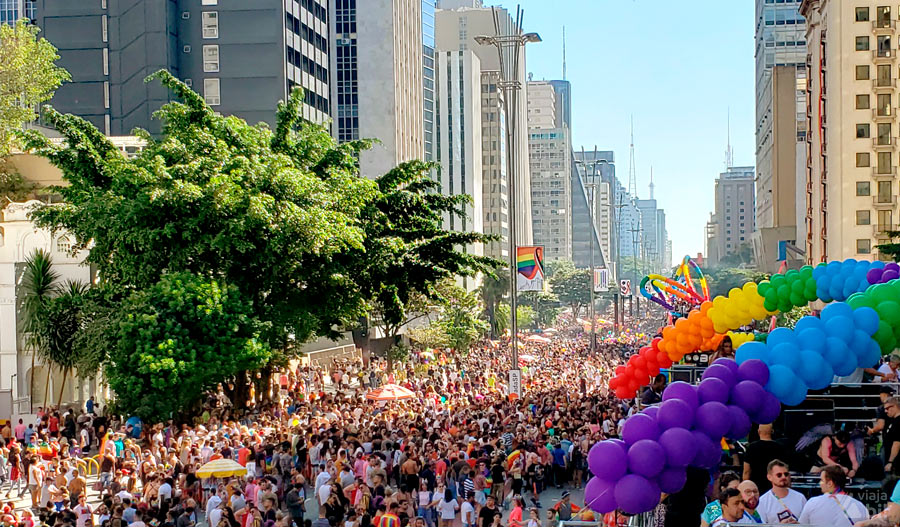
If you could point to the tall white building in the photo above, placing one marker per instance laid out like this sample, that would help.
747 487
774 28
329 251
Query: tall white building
455 30
734 220
550 155
458 136
378 85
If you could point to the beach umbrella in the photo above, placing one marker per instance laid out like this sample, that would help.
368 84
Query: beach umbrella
221 468
390 392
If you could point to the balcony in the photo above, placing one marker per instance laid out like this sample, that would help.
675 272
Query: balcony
884 26
884 114
884 202
881 175
884 144
881 230
884 85
884 56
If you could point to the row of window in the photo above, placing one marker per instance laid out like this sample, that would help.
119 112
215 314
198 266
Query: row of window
882 15
307 33
883 44
306 64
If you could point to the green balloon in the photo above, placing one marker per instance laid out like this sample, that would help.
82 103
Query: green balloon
884 333
785 305
882 293
792 274
798 286
777 280
798 299
784 292
858 300
889 312
772 295
770 304
763 287
810 292
889 346
806 272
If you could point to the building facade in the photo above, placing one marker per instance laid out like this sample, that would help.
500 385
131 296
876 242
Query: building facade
12 10
550 157
780 129
734 219
243 58
379 89
428 78
851 176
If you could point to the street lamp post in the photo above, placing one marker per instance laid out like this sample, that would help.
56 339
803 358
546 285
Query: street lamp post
592 187
508 47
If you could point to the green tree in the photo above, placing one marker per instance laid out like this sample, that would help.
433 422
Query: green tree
37 289
572 287
494 288
176 340
28 77
545 306
64 321
460 319
742 255
431 335
891 249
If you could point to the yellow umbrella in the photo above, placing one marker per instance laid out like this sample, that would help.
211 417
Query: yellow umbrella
221 468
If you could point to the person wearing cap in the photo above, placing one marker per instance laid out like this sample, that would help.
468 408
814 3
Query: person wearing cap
564 507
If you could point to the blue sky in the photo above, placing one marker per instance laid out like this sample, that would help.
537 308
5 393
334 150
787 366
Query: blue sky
677 68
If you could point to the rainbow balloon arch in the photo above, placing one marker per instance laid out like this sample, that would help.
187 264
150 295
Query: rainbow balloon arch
860 323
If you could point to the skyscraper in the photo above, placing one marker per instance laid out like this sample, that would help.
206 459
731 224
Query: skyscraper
851 196
781 128
242 57
428 76
380 69
550 155
734 220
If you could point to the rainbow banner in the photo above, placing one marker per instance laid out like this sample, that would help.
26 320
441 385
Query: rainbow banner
530 268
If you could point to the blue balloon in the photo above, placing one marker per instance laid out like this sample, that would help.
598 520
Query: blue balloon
836 351
849 262
836 289
781 381
825 378
860 343
808 322
850 287
866 319
812 366
822 292
780 336
847 366
797 394
836 309
813 338
819 271
786 355
840 327
871 357
863 285
833 267
877 264
752 350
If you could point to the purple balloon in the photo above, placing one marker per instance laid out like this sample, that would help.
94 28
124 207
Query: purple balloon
728 363
608 459
652 411
599 495
646 458
720 371
675 413
708 452
740 422
682 390
748 395
769 409
678 443
874 276
638 427
636 494
889 275
754 370
712 389
892 266
672 480
713 419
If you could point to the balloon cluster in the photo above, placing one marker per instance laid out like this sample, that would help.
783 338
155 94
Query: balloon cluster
740 338
838 280
881 273
639 369
659 444
688 333
817 349
883 298
741 307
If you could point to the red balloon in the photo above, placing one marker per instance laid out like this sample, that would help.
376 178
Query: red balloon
613 383
641 375
640 362
620 370
624 393
653 370
655 343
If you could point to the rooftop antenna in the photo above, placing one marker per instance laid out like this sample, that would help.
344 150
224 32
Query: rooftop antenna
632 178
652 186
729 154
564 53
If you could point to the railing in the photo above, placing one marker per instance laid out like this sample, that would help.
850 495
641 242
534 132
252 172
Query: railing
884 200
854 407
883 25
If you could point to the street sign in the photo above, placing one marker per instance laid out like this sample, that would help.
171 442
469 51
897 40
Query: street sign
601 280
515 383
625 287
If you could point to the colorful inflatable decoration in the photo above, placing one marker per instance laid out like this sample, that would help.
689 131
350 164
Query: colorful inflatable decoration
681 287
861 322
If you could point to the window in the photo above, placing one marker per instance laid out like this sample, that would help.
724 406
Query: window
863 246
883 16
211 92
885 219
884 191
884 45
884 133
106 61
862 14
862 72
211 58
211 25
884 163
106 94
863 217
209 2
102 4
862 130
862 43
862 102
883 104
862 159
863 188
883 75
104 23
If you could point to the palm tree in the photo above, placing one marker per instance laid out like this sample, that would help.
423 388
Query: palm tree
38 287
493 288
64 317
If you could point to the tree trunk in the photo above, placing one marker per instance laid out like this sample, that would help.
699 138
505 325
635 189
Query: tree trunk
241 394
62 388
31 384
47 386
265 384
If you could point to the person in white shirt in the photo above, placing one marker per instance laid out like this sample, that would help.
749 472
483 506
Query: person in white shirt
781 502
468 511
165 490
834 508
212 504
215 515
890 369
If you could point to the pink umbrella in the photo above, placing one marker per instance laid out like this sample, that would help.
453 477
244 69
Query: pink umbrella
390 392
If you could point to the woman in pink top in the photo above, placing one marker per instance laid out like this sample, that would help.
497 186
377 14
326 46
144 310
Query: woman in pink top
515 516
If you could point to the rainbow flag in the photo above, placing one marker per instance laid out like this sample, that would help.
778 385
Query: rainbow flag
530 261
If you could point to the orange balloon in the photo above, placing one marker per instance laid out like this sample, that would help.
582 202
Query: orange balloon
705 306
